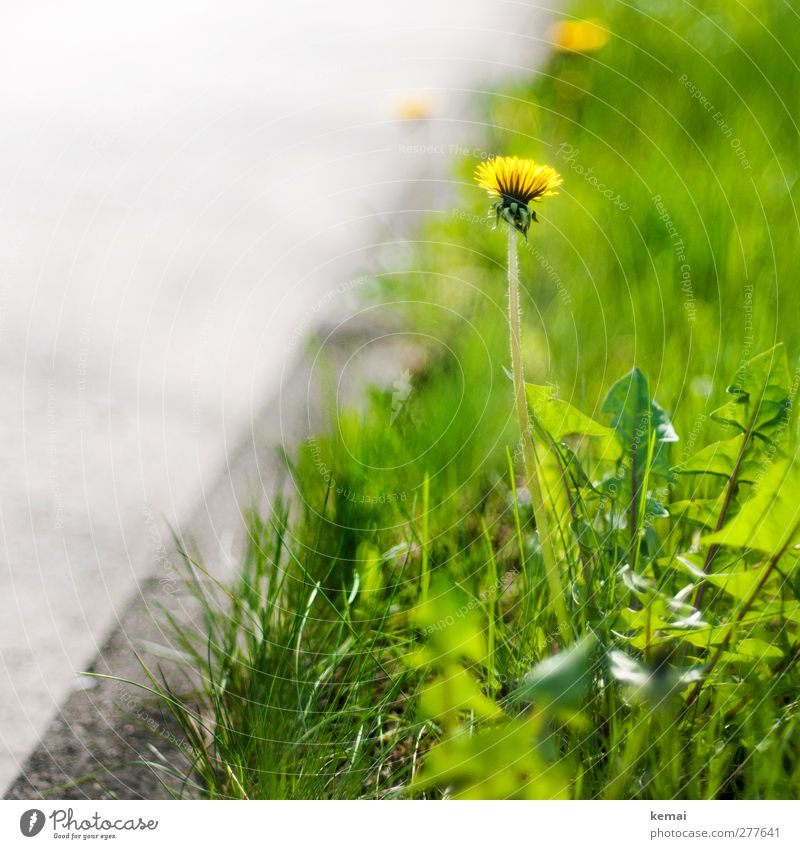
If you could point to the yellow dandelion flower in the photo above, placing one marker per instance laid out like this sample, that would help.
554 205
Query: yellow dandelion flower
516 183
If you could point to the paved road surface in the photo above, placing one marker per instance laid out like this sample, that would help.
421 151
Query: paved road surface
180 185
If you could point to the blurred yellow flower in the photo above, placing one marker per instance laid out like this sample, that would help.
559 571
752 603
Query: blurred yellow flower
412 109
516 182
579 36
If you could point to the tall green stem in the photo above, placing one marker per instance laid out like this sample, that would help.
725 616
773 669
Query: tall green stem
529 445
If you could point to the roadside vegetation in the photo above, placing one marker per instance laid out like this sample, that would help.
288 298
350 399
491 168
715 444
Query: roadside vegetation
400 625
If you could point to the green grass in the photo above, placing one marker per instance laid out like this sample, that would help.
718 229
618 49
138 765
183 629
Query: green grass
390 633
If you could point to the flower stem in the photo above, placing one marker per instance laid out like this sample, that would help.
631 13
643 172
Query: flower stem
529 446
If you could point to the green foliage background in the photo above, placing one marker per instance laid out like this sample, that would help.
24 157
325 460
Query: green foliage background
703 193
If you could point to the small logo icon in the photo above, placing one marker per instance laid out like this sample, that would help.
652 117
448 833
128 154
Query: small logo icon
31 822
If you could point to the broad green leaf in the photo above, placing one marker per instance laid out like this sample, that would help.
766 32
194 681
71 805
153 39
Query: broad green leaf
721 458
633 411
560 419
770 520
743 649
651 618
634 417
715 635
775 610
761 396
501 762
752 648
452 622
692 564
561 681
421 657
740 583
452 693
700 511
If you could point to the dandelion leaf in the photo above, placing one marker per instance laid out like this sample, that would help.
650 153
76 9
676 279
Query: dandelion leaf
561 419
634 417
770 520
761 396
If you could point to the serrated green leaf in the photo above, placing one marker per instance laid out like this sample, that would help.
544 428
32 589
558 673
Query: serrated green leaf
715 635
781 610
739 583
752 648
720 458
700 511
761 395
770 520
